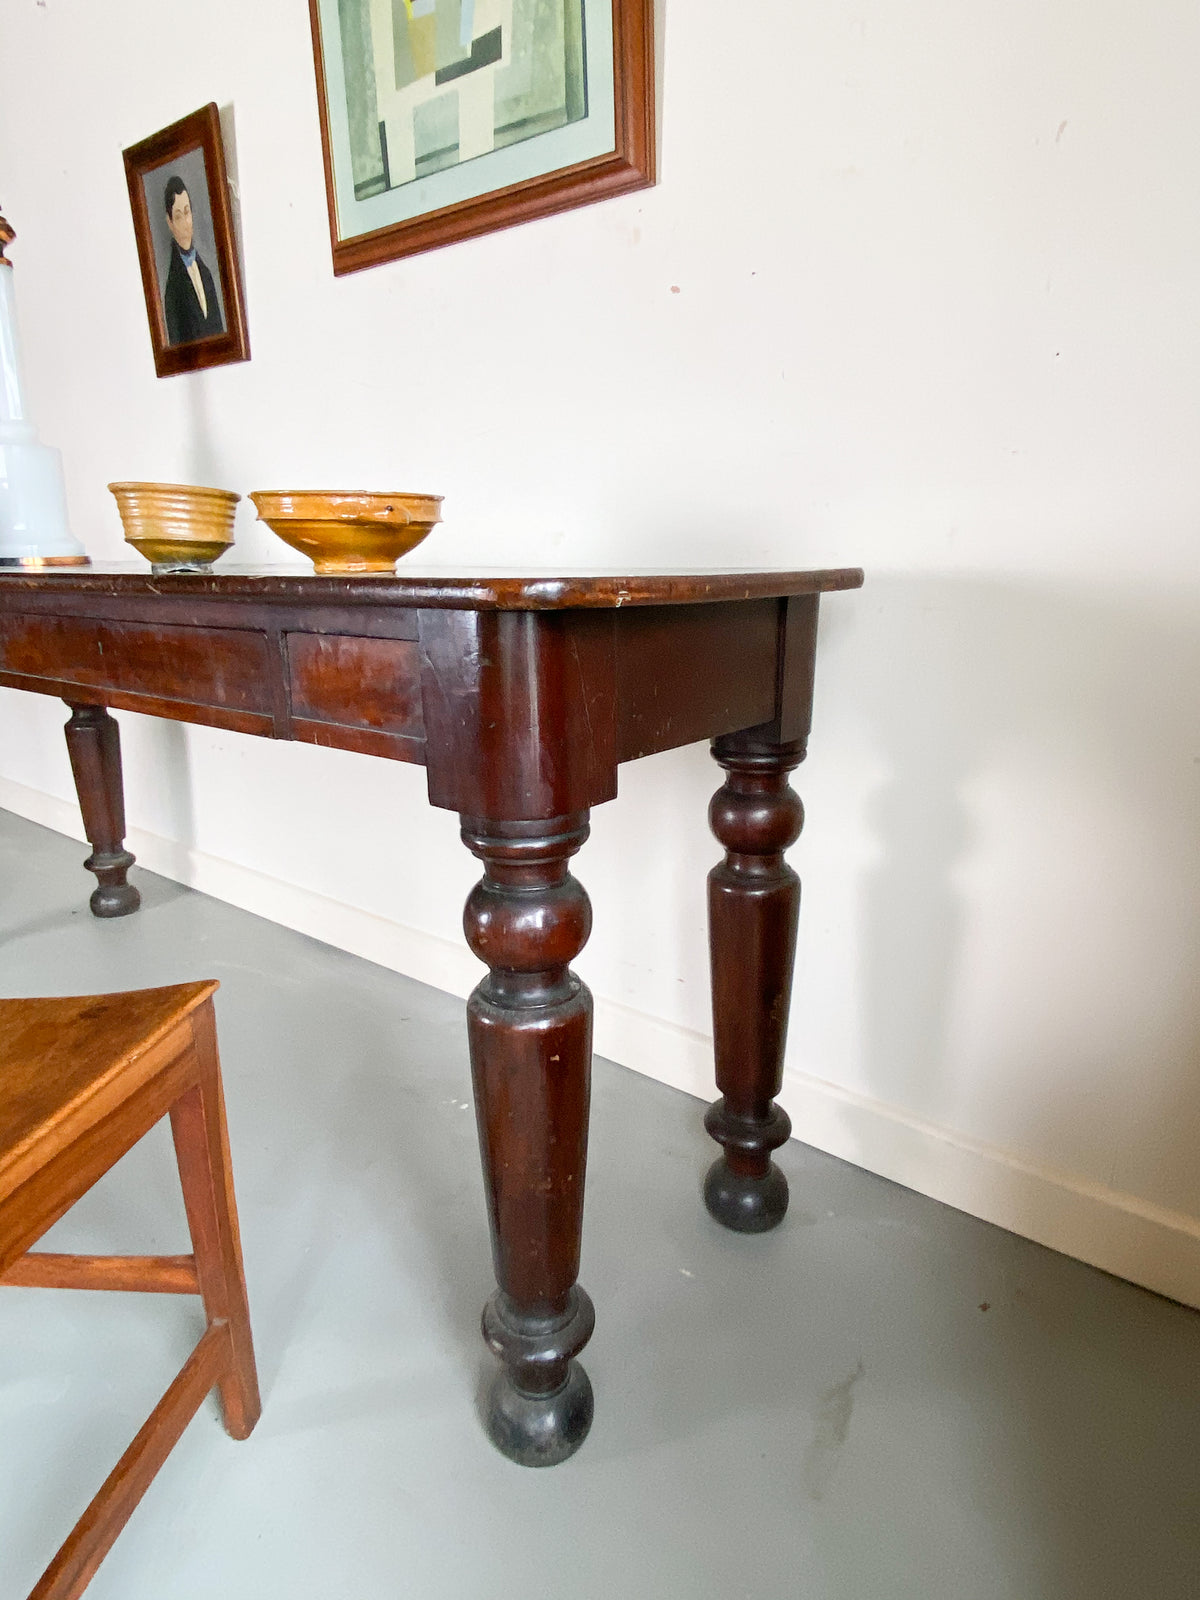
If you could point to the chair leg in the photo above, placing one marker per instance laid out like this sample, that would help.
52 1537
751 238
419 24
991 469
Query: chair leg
206 1174
93 1536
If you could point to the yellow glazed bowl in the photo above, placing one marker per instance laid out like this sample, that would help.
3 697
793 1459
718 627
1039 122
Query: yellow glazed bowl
178 527
348 530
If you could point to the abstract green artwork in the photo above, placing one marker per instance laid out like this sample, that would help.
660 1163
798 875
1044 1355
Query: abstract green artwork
431 83
444 119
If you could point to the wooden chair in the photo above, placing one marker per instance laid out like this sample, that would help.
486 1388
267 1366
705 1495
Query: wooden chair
81 1080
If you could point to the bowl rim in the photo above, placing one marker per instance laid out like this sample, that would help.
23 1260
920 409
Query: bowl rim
134 486
372 495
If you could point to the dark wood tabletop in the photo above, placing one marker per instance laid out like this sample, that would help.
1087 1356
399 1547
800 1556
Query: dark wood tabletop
492 589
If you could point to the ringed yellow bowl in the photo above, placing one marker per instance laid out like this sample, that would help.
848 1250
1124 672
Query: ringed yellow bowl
178 527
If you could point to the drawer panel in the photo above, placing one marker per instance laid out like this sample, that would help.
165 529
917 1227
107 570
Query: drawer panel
220 667
356 682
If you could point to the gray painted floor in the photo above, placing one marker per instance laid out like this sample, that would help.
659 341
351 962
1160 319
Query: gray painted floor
884 1400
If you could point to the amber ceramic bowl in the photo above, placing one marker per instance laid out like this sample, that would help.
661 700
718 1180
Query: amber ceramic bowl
348 530
178 527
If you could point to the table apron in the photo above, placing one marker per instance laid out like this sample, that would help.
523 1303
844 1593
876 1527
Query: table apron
340 690
570 694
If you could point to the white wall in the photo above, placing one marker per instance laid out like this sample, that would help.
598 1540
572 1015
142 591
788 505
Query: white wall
918 290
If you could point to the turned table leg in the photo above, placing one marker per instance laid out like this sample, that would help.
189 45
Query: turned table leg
530 1028
94 745
753 907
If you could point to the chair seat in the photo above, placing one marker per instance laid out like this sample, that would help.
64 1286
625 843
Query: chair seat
66 1062
81 1080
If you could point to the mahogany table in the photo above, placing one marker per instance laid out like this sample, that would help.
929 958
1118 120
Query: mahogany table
520 695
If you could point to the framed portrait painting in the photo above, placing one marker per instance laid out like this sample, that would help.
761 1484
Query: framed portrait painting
186 245
445 119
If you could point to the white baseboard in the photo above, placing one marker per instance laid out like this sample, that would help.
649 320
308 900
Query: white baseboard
1114 1231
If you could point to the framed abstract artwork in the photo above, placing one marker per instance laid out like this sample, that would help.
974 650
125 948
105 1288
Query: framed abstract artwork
186 245
445 119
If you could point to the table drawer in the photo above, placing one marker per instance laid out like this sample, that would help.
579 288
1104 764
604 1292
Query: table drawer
356 682
220 667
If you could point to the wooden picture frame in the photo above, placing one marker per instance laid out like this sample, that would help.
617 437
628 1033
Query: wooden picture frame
606 148
193 290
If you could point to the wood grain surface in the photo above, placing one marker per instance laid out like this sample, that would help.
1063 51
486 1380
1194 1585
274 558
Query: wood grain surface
518 590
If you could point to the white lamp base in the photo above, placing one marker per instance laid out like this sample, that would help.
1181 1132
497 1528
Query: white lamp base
34 531
33 506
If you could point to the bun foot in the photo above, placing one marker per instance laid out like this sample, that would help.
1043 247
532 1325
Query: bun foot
745 1204
539 1430
114 900
112 896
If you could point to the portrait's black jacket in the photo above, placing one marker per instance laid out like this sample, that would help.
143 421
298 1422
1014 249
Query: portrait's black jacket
185 320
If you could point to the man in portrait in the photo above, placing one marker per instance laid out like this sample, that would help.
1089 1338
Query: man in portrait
190 297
